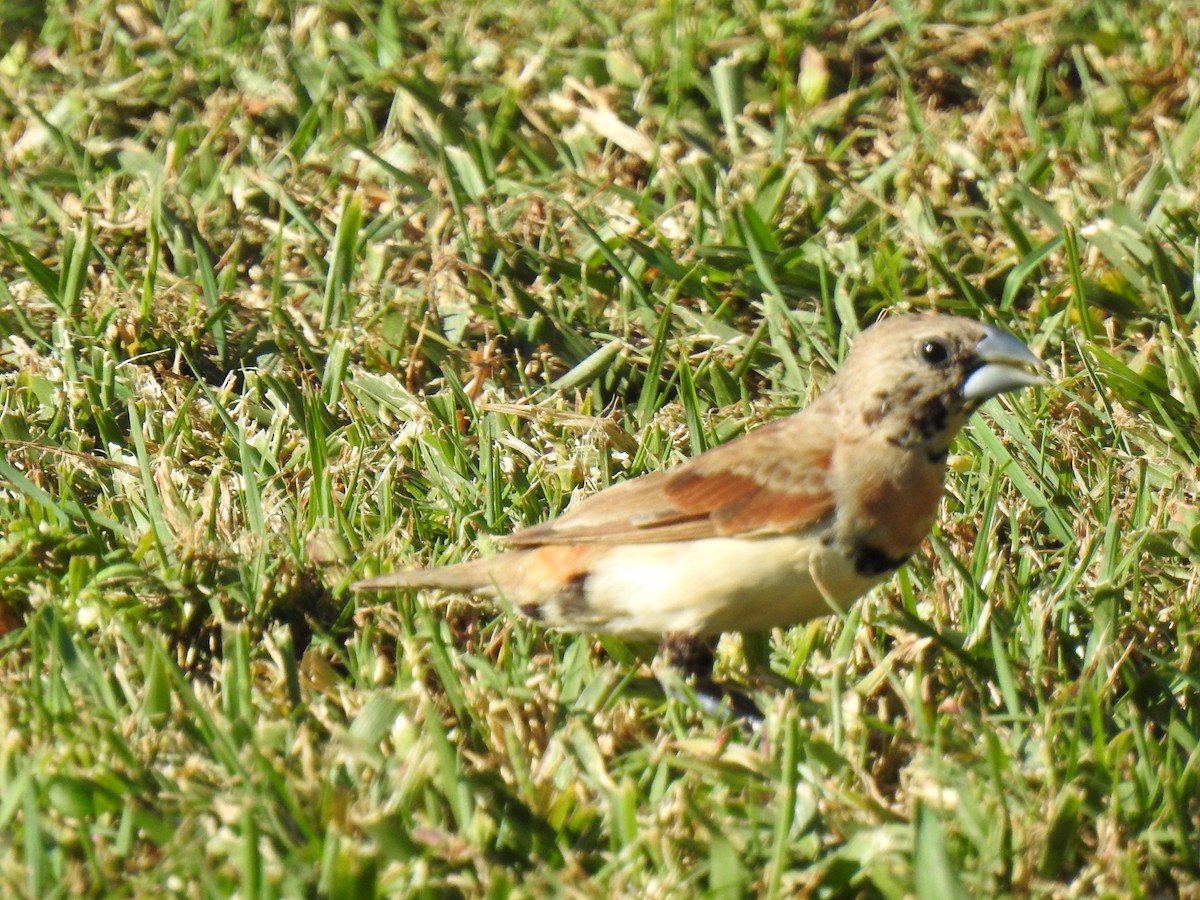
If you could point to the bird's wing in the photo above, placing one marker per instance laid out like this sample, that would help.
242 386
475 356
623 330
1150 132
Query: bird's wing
772 481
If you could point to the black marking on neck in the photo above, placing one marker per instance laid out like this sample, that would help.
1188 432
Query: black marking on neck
928 422
870 561
930 419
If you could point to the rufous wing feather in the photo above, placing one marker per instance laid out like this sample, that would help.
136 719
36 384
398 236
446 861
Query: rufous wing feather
772 481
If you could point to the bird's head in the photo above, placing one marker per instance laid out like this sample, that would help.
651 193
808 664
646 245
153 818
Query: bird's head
916 379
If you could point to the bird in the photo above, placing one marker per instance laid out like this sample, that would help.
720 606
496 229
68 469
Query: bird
791 521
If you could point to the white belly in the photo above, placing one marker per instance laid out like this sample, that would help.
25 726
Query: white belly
718 584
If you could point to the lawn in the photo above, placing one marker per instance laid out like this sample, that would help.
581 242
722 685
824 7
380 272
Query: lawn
294 294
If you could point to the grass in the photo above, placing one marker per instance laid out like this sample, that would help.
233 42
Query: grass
289 299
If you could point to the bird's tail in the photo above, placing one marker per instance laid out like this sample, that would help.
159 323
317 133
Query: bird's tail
469 578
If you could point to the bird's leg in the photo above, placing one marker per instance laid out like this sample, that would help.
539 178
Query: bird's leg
693 658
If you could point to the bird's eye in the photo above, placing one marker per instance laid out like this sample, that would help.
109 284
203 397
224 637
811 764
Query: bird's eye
935 353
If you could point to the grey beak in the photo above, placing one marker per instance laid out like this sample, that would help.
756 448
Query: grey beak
1005 366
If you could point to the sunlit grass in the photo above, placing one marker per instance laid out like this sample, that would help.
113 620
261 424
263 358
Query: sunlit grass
284 303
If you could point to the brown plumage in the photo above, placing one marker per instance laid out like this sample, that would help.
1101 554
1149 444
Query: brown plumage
778 526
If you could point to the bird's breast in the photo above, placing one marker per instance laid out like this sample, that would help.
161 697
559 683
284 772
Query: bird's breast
888 499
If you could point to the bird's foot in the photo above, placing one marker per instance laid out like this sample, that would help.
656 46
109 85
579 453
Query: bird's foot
692 659
722 700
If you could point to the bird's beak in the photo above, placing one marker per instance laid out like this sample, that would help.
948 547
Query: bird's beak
1004 365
